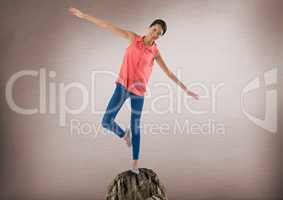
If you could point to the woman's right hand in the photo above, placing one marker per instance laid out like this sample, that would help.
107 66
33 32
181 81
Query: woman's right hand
76 12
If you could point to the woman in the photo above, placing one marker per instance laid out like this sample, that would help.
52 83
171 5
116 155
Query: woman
133 77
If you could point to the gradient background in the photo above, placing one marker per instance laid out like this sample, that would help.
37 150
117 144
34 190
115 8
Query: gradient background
210 41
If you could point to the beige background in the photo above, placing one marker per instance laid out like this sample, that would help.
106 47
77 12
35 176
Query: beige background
220 41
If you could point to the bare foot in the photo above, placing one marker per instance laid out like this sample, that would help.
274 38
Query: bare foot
135 168
127 137
135 164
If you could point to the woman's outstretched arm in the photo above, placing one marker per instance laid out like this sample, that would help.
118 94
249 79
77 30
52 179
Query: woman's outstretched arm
104 24
167 71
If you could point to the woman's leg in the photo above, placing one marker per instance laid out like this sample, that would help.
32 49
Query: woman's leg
118 98
136 111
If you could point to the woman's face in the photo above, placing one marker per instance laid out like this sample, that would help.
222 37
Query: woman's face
154 31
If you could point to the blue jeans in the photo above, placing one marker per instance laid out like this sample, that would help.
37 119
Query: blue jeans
118 98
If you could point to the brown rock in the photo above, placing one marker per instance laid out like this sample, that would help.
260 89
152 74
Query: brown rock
130 186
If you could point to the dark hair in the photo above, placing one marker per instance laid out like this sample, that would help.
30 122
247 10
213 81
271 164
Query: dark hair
161 23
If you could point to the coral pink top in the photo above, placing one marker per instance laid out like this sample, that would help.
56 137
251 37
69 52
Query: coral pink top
137 65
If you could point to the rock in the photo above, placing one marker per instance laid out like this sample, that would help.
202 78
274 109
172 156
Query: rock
130 186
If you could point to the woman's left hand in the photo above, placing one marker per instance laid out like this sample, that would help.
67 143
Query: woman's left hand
194 95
